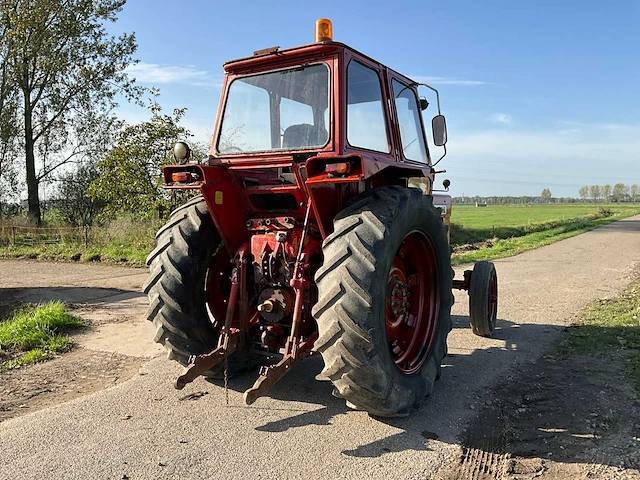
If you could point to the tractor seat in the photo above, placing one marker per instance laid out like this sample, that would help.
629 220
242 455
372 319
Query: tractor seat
304 135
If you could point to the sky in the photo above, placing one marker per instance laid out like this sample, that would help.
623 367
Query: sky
542 94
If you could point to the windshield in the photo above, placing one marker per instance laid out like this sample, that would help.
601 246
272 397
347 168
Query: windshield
281 110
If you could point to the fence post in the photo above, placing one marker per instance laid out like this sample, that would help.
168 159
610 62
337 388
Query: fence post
86 237
13 234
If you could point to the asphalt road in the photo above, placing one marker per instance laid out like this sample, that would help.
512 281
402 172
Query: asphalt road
300 430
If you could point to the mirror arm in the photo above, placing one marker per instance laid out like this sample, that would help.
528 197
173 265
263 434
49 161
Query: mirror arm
437 98
443 155
439 113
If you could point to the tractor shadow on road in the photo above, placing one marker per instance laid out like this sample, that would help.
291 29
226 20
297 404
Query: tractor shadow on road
455 397
503 397
301 385
67 294
545 412
453 401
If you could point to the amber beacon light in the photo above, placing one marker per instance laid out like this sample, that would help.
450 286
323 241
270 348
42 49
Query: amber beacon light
324 31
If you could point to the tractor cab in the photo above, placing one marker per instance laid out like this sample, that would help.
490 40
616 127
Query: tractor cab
321 99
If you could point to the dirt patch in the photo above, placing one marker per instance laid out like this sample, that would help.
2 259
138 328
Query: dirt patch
556 419
110 350
62 379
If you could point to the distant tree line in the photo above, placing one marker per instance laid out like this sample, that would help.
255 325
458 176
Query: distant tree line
589 193
604 193
513 200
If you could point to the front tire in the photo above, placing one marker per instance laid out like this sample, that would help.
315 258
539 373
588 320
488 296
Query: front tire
385 298
483 299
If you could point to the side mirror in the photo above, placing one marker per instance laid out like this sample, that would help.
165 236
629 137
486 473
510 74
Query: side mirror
423 104
181 152
439 128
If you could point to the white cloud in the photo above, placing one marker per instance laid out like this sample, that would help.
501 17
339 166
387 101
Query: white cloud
503 118
569 131
153 73
446 80
616 126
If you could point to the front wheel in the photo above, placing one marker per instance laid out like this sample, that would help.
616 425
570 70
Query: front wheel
483 299
385 298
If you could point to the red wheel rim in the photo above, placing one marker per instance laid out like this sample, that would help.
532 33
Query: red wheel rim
493 299
412 302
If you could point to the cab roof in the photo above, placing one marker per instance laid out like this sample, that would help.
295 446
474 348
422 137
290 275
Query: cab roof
274 56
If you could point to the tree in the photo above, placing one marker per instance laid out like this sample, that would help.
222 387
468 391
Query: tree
545 196
8 115
583 192
594 191
606 191
77 207
619 192
634 192
59 60
130 174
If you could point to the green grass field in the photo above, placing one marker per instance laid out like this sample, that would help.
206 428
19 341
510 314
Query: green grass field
470 216
498 231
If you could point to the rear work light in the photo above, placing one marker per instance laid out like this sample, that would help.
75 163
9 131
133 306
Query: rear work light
341 168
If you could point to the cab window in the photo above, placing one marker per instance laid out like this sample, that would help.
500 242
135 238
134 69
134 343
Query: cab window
408 110
277 110
365 114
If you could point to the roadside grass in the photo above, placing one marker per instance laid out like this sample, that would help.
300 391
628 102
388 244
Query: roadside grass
608 328
125 241
36 333
111 253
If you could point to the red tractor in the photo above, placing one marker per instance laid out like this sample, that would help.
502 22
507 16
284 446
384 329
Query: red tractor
316 231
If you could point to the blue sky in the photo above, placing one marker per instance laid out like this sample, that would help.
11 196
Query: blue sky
536 94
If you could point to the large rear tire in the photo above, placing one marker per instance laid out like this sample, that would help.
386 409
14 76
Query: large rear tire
385 299
185 262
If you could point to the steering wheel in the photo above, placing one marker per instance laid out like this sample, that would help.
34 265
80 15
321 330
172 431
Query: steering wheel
232 149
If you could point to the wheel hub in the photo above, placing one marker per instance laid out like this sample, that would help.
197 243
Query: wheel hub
398 298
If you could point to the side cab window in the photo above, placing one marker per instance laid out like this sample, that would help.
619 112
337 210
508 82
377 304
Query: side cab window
412 140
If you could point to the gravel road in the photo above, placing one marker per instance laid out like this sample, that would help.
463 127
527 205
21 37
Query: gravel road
141 429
